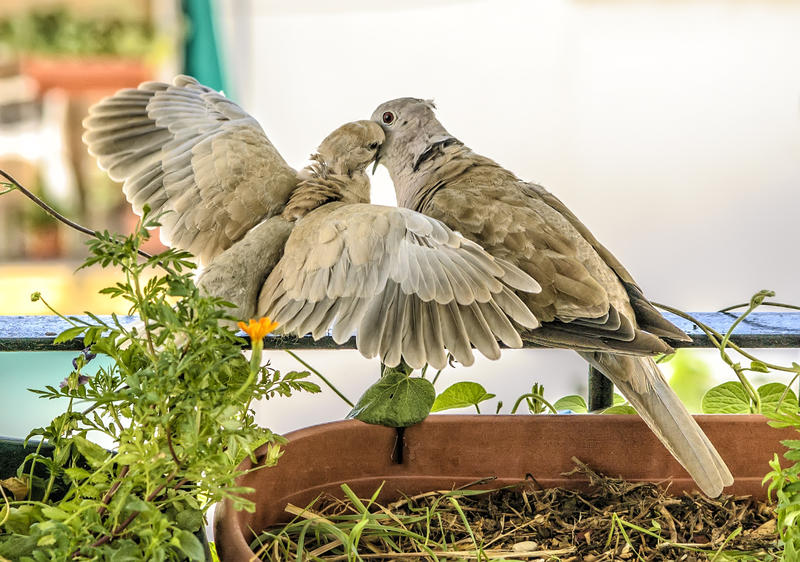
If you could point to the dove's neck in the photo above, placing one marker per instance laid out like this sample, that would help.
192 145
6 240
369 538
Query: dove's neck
318 187
419 174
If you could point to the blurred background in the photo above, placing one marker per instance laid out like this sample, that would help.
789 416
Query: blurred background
672 129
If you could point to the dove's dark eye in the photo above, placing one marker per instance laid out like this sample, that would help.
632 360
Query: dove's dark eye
388 117
373 146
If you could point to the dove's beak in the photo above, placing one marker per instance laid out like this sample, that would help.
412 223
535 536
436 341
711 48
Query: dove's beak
377 160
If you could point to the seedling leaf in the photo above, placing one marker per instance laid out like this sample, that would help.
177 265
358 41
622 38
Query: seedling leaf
572 402
461 395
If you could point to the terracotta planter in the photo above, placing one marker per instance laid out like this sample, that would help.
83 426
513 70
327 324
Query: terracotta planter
446 451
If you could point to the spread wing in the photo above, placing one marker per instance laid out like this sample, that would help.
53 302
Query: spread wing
585 302
186 149
408 285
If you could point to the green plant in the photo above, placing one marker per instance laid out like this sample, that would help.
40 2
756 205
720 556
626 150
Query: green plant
59 32
784 482
723 343
175 407
777 402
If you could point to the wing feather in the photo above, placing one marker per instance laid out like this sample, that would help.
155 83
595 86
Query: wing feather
186 149
409 286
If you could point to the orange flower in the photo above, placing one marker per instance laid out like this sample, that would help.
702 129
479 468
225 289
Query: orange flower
257 329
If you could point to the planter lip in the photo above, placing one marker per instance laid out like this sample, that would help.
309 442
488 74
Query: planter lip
89 58
324 427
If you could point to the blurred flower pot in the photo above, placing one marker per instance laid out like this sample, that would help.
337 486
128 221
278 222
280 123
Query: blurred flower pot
43 242
447 451
80 74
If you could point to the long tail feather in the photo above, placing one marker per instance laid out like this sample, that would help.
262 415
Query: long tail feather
641 382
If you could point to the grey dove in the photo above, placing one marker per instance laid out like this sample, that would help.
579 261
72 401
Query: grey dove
588 300
304 248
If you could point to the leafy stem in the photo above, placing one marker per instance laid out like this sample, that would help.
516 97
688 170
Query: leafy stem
173 401
322 377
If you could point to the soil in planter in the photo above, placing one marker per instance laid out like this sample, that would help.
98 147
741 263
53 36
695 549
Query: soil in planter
614 520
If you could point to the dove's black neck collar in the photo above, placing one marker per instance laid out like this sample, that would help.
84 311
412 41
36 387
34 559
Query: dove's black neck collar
434 149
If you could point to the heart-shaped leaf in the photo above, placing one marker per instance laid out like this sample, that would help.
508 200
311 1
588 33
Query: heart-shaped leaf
573 403
772 397
461 395
396 400
727 398
620 409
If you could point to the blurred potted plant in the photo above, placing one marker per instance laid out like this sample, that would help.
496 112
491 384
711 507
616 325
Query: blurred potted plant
174 407
59 49
41 235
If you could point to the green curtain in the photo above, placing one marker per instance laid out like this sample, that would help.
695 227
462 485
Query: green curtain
201 55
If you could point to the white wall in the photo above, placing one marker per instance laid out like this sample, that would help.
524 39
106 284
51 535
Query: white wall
671 128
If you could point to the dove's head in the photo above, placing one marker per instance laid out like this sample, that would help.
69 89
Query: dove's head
351 148
337 172
411 130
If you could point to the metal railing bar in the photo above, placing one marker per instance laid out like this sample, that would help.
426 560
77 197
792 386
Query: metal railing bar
758 330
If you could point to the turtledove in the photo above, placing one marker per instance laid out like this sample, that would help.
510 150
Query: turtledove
588 302
305 248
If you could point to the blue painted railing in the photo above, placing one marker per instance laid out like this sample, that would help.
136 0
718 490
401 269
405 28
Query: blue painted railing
757 330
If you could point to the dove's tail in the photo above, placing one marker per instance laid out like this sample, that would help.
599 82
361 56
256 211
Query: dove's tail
641 382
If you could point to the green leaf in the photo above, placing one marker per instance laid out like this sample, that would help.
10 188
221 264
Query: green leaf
759 367
572 402
69 334
94 454
759 297
771 394
461 395
134 503
618 399
191 546
53 513
727 398
47 540
15 547
396 400
76 473
189 519
128 552
620 409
